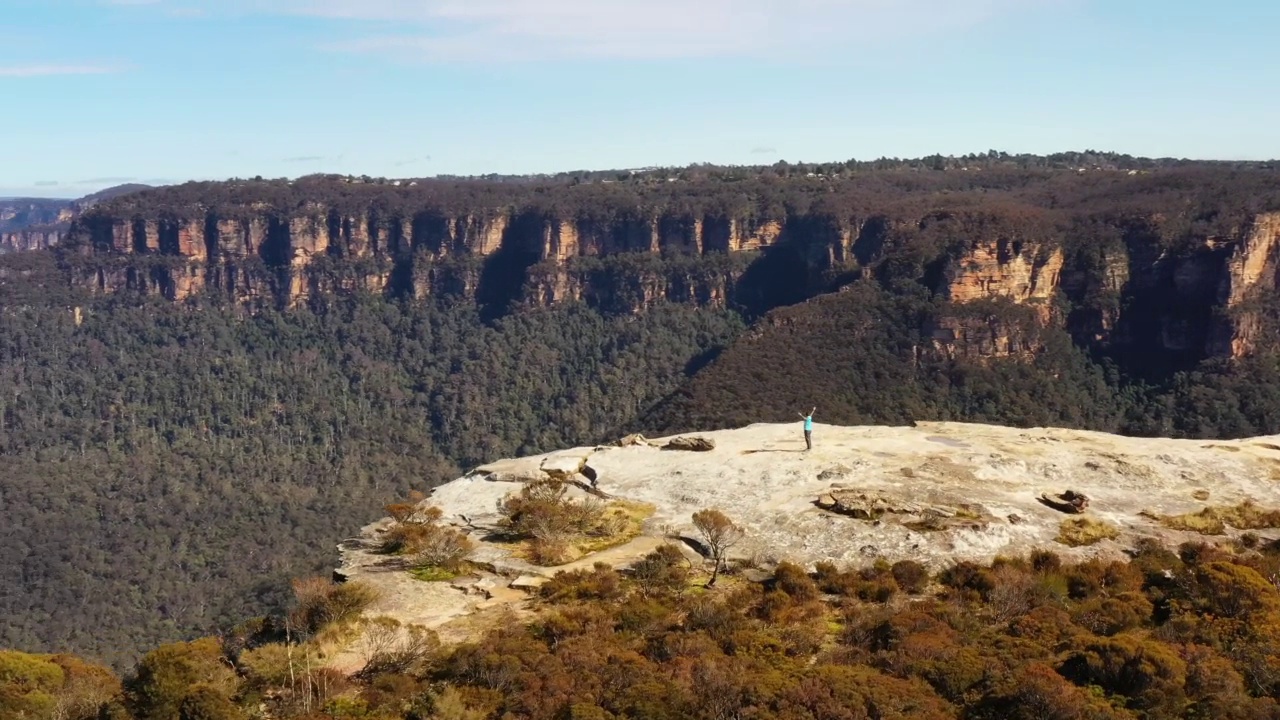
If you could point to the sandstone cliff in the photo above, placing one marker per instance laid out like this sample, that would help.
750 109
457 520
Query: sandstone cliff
29 239
256 253
1145 287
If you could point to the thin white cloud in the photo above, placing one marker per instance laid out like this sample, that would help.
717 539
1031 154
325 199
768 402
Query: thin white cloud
22 71
512 30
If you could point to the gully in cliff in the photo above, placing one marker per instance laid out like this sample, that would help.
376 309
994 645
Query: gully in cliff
808 428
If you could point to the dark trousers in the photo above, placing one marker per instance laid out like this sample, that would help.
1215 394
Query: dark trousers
808 439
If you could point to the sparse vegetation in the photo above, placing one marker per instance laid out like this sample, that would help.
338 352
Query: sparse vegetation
1215 520
1081 531
559 528
720 535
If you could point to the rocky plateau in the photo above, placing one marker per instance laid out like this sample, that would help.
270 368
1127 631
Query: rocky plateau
936 493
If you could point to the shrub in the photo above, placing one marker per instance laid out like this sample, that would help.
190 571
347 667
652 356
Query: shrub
1149 674
1110 616
166 675
911 576
320 602
208 703
390 647
795 582
442 547
1044 561
601 582
403 538
662 571
28 684
542 511
970 579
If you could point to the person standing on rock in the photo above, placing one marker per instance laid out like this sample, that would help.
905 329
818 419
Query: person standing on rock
808 428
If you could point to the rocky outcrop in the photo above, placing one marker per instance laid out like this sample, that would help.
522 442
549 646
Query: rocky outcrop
29 239
255 253
1024 272
1250 272
986 336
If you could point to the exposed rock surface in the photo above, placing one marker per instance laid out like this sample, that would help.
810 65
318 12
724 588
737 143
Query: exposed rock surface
1024 272
935 493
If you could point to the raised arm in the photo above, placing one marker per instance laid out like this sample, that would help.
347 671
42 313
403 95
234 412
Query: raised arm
814 410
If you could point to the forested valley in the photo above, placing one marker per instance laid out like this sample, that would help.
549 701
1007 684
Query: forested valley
166 466
165 469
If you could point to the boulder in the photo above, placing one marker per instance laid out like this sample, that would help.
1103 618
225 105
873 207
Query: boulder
836 472
1070 502
862 505
528 582
690 444
564 467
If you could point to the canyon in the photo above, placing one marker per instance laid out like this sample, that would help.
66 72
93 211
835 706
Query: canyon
28 224
1201 297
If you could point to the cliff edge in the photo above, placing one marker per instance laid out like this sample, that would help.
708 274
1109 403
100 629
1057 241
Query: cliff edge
935 493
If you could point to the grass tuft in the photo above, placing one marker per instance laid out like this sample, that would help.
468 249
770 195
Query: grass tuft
432 573
1215 520
1078 532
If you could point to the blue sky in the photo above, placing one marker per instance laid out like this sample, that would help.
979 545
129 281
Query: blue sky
98 92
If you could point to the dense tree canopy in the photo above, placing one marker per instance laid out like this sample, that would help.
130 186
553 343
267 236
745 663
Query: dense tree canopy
1166 636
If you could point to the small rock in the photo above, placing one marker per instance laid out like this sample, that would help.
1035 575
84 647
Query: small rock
1015 519
633 439
690 444
836 472
827 502
869 550
528 582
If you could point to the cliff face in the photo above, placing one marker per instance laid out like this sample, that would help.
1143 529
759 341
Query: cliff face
256 255
29 239
1200 301
1135 289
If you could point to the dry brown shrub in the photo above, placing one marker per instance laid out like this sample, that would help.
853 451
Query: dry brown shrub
390 647
442 547
319 601
911 576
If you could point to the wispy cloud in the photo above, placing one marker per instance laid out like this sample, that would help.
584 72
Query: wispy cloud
24 71
303 159
517 30
412 161
763 150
